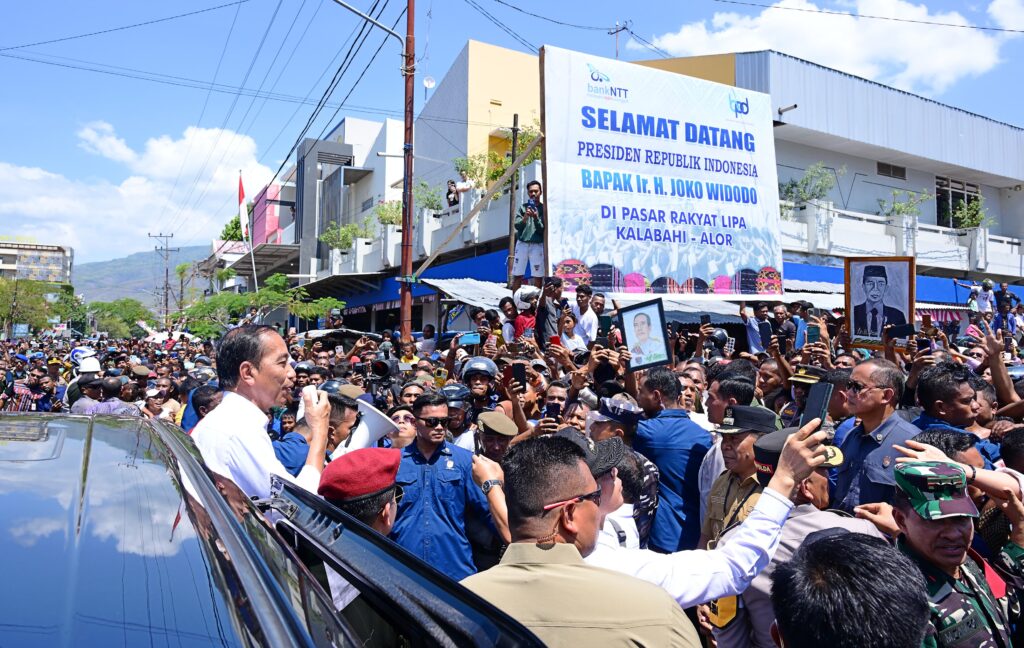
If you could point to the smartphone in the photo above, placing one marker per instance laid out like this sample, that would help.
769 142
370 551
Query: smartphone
730 345
601 341
528 333
783 344
604 324
441 377
705 319
468 339
924 344
552 410
1008 344
405 366
556 340
903 331
506 374
813 334
765 329
817 403
519 373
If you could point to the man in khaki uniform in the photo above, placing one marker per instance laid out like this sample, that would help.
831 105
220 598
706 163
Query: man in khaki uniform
734 493
554 516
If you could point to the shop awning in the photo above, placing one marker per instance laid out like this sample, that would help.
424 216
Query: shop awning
269 258
343 285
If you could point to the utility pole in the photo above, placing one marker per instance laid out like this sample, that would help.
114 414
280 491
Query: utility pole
409 71
615 33
165 252
512 203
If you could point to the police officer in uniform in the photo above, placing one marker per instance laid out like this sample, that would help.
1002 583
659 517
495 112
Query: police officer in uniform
799 385
971 603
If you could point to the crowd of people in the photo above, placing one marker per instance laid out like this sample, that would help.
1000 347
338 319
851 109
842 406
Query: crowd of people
694 503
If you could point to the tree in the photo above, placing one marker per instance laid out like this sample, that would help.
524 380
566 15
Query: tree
71 309
816 183
232 231
485 168
119 318
182 270
215 314
24 302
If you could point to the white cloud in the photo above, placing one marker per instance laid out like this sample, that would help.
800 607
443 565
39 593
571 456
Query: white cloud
1008 14
105 219
912 56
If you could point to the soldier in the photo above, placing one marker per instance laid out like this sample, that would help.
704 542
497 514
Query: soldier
971 604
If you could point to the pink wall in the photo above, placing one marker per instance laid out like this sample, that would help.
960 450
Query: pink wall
265 216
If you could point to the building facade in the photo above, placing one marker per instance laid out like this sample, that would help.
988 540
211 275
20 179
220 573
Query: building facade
34 262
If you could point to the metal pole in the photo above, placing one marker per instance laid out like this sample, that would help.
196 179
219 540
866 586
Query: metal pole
512 205
405 291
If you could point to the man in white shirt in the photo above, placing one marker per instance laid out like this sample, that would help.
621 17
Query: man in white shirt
254 369
586 318
696 576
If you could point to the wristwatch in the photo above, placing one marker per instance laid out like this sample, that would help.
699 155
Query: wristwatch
491 483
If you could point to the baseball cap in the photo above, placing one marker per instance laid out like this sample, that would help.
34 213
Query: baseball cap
747 418
936 489
601 456
768 449
497 423
360 474
620 408
85 382
807 374
140 371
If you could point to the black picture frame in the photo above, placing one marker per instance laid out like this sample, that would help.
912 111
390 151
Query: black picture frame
653 351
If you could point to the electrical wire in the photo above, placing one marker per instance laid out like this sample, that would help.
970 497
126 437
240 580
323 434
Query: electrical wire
199 174
890 18
202 113
502 26
123 27
552 20
649 45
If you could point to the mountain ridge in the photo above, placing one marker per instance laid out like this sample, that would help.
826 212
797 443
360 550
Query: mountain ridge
138 276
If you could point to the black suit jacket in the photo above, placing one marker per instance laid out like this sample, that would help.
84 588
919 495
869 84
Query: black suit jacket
889 315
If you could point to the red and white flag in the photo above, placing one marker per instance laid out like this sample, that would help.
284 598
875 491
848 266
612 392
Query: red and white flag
243 213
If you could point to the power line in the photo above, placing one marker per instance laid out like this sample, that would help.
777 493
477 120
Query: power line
502 26
649 45
551 20
202 113
123 27
350 55
890 18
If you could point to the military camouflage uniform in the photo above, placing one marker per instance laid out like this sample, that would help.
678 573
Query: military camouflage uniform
645 507
979 608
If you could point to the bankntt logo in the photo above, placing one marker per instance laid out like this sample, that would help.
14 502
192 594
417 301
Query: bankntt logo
599 85
738 107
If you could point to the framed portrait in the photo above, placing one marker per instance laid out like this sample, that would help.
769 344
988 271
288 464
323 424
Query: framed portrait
643 333
879 292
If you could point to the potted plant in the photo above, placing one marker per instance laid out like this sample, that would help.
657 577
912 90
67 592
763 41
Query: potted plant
814 186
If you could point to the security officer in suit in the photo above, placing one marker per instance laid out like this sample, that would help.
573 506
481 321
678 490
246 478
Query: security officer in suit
873 315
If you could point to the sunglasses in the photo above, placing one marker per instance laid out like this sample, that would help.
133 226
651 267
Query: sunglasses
594 497
403 419
855 387
433 421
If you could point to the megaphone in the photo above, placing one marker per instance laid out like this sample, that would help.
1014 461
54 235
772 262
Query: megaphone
373 426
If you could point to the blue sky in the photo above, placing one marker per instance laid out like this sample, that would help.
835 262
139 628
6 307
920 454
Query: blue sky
97 160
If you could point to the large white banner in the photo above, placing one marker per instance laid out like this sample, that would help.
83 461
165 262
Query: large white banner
658 182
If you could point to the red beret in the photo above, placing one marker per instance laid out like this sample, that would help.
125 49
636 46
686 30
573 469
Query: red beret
360 473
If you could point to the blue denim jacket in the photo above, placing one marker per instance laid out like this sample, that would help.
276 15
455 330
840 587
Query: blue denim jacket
439 494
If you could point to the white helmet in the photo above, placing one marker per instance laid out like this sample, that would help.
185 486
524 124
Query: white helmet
89 365
80 353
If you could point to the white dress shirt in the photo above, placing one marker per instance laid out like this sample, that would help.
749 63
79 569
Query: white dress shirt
711 467
693 577
621 519
234 443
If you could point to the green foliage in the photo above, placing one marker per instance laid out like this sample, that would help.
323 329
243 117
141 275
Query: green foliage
118 318
342 237
816 183
24 302
967 215
427 197
389 212
484 168
211 316
232 231
224 274
910 205
182 270
69 308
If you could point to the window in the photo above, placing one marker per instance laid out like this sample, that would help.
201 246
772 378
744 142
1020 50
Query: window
949 193
892 171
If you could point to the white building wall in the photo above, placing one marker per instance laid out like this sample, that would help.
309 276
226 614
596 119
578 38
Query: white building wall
441 131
